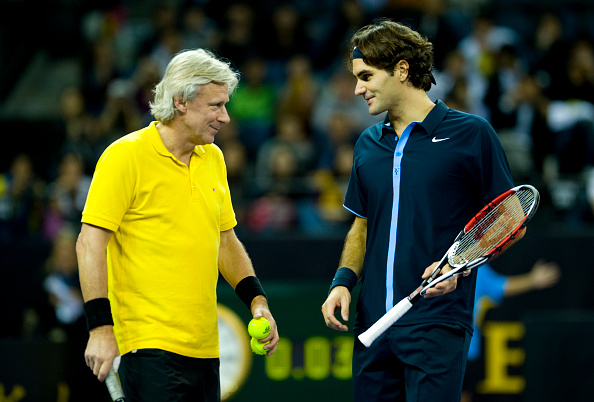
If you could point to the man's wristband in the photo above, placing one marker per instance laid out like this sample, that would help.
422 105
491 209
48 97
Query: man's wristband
98 313
248 288
344 277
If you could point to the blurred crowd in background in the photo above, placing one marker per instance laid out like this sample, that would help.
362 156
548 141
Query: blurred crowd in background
526 66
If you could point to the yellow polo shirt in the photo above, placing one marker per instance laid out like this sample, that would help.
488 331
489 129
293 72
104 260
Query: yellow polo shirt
162 259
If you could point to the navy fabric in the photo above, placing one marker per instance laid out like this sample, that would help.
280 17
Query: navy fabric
418 363
451 165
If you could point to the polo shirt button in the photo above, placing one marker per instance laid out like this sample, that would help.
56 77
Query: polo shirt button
398 154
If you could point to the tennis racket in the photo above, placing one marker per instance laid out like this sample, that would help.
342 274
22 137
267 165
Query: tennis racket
491 230
114 387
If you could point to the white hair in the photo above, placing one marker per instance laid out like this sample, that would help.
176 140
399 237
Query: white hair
186 73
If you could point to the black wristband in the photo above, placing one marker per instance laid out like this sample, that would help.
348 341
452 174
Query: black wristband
248 288
344 277
98 313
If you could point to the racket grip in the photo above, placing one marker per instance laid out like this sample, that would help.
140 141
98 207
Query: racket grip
385 322
113 386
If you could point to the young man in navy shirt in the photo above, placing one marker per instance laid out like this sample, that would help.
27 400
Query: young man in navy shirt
417 179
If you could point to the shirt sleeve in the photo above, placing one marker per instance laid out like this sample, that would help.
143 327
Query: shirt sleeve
355 199
496 177
228 218
112 187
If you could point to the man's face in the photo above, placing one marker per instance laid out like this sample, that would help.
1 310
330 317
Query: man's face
207 113
376 86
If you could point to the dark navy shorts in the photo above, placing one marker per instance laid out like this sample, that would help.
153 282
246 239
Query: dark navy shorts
420 363
154 375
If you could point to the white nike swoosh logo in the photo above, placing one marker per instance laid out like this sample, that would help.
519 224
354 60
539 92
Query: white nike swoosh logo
435 139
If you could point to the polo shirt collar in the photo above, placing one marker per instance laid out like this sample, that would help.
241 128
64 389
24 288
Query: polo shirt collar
430 123
160 147
435 116
387 127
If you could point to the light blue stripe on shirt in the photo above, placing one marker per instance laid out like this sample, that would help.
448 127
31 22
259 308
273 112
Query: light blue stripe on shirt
398 152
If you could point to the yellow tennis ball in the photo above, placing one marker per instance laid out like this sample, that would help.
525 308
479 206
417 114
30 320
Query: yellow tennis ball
257 347
259 328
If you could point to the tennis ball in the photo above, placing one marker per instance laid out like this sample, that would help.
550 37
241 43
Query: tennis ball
257 347
259 328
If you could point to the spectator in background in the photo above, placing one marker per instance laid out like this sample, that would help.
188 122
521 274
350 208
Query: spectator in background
479 49
80 128
531 109
198 29
546 45
285 39
169 43
66 195
528 139
572 125
286 159
340 132
570 116
146 75
121 113
507 115
62 288
509 70
491 288
299 93
163 18
275 209
337 98
486 38
99 69
254 106
241 33
281 177
238 174
239 169
329 214
337 27
443 27
21 200
577 80
460 86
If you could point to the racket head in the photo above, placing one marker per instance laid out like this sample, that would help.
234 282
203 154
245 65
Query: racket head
494 227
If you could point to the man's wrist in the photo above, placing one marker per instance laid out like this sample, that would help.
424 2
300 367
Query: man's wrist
248 289
344 277
98 313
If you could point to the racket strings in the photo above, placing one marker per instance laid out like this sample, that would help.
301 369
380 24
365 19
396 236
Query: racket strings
495 226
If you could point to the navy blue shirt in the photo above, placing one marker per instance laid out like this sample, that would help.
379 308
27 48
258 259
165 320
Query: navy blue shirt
417 192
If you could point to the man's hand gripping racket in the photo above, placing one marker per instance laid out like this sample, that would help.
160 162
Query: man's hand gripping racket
486 235
114 387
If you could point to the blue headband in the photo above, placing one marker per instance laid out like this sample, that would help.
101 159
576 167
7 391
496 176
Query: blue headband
358 55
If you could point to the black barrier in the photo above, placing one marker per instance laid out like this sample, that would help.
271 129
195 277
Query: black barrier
559 356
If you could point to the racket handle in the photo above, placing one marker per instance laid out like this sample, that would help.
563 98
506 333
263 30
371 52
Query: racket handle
113 386
385 322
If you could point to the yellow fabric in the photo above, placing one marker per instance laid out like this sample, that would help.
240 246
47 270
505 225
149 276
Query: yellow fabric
162 258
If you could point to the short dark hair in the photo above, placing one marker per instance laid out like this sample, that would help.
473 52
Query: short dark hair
385 42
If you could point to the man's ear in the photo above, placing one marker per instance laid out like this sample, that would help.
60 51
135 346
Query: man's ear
180 105
401 70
